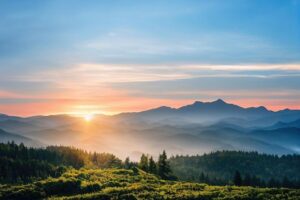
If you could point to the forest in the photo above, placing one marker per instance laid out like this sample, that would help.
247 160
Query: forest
21 164
254 169
59 172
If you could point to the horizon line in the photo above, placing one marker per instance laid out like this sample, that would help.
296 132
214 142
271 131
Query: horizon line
74 114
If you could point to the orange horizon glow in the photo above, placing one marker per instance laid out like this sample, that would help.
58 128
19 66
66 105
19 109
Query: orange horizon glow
110 89
131 105
102 58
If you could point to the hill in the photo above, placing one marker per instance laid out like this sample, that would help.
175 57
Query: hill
7 137
295 124
121 184
59 172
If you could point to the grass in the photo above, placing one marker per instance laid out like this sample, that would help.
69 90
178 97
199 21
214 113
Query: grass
133 184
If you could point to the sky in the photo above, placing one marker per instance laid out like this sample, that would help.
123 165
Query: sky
111 56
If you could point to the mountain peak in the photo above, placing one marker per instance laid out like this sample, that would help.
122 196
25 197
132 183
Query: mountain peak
219 101
159 109
262 108
164 108
197 103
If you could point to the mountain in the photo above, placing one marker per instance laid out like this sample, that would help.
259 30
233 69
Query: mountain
212 112
220 107
9 137
288 136
197 128
18 125
6 117
280 124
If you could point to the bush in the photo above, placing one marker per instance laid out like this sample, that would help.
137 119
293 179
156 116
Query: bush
61 186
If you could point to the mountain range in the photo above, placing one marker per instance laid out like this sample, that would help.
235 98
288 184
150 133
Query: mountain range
192 129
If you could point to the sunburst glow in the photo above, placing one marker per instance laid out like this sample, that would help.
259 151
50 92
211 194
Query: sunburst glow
88 117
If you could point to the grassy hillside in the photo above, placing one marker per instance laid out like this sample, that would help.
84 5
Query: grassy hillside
132 184
59 172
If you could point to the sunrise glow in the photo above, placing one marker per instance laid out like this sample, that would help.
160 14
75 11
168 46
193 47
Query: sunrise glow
155 92
88 117
117 64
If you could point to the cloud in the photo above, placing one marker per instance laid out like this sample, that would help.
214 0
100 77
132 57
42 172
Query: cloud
134 55
99 74
210 47
245 67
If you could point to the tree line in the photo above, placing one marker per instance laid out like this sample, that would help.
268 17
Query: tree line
248 180
255 169
160 168
19 164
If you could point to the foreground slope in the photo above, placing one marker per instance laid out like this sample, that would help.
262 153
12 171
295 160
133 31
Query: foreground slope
59 172
132 184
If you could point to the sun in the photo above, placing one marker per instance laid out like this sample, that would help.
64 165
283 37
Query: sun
88 117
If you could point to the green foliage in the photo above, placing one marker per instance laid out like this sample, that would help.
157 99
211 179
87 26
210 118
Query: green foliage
143 164
127 164
126 184
161 168
237 178
152 166
20 164
256 169
164 169
45 176
61 186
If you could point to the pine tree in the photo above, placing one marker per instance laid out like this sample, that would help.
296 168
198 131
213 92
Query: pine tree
127 164
143 164
152 166
94 158
273 183
164 169
202 178
286 182
247 180
237 178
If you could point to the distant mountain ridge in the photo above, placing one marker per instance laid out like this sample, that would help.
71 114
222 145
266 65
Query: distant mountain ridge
9 137
280 124
197 128
218 106
214 111
214 106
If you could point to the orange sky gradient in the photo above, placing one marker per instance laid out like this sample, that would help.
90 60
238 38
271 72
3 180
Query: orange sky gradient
58 57
129 104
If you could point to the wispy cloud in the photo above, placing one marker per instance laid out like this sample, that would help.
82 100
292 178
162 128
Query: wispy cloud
246 67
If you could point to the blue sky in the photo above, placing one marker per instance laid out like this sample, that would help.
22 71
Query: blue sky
60 52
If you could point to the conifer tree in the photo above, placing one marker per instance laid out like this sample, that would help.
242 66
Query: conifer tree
152 166
247 180
237 178
164 169
143 164
127 164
